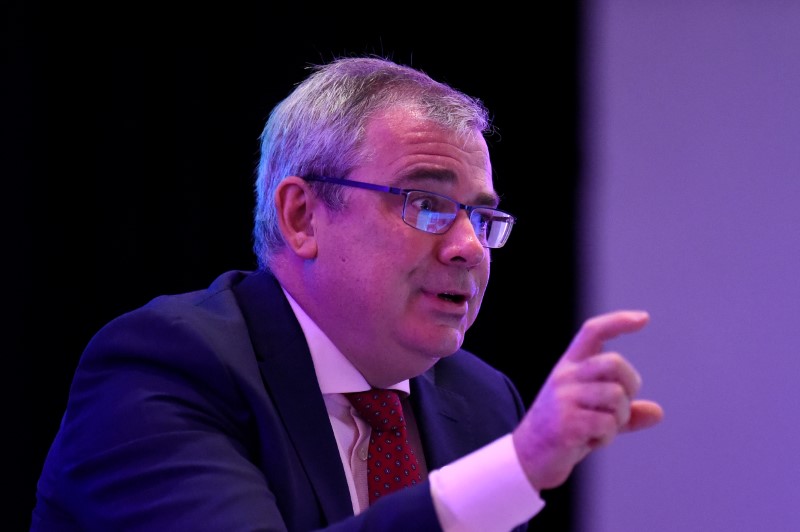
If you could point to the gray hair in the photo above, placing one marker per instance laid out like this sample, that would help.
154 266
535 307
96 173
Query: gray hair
319 129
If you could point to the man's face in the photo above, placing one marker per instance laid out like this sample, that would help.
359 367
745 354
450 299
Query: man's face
395 299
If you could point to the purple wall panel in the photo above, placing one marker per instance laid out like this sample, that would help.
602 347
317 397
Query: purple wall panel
691 190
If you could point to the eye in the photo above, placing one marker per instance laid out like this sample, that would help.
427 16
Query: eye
426 203
481 220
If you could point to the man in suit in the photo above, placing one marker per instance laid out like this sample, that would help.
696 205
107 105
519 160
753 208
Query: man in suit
227 408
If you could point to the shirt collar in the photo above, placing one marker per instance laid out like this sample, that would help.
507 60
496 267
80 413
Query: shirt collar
335 373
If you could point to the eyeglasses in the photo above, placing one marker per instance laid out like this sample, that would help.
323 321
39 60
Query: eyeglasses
434 213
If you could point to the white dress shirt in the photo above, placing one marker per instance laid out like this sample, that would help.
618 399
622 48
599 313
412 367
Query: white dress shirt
485 491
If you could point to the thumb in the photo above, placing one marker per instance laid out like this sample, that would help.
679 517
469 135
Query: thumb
644 414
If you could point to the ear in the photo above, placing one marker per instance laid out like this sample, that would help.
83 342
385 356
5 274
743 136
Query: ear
294 203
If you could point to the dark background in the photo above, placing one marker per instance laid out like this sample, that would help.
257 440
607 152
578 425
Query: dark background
129 143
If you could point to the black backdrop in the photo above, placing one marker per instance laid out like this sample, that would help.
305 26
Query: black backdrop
129 141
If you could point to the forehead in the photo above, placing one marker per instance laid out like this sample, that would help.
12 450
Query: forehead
401 143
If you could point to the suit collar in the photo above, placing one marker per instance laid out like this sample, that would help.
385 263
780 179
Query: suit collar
288 374
445 424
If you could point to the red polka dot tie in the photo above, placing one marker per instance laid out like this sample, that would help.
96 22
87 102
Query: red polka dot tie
391 463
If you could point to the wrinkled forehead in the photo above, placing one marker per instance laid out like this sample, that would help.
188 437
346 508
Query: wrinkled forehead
410 126
409 150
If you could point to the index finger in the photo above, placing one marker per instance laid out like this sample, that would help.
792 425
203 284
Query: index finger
597 330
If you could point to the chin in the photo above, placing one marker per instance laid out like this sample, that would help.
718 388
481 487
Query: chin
434 341
445 347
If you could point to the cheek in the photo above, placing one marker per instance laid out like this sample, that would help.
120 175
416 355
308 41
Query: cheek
368 256
386 246
482 278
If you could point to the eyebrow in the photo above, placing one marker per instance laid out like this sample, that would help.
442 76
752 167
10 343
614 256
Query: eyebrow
420 176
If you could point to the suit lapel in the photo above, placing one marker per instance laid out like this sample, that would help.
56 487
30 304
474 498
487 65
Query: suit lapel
446 427
290 380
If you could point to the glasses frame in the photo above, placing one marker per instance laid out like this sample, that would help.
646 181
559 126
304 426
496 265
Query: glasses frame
511 219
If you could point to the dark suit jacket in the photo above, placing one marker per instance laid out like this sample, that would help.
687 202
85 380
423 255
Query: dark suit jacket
201 411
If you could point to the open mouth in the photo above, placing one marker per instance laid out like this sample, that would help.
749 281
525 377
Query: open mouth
454 298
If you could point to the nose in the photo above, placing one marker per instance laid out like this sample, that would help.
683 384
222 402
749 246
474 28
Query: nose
461 244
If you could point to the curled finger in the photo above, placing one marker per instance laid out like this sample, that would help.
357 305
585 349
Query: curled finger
607 399
611 367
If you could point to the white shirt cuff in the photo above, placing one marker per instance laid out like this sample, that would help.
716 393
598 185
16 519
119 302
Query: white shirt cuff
484 491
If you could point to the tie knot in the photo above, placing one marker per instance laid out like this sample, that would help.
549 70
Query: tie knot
380 408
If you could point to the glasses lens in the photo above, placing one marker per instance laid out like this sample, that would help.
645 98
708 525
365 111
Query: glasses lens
433 213
429 212
491 226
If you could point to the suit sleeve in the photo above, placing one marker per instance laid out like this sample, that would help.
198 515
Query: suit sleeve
155 436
